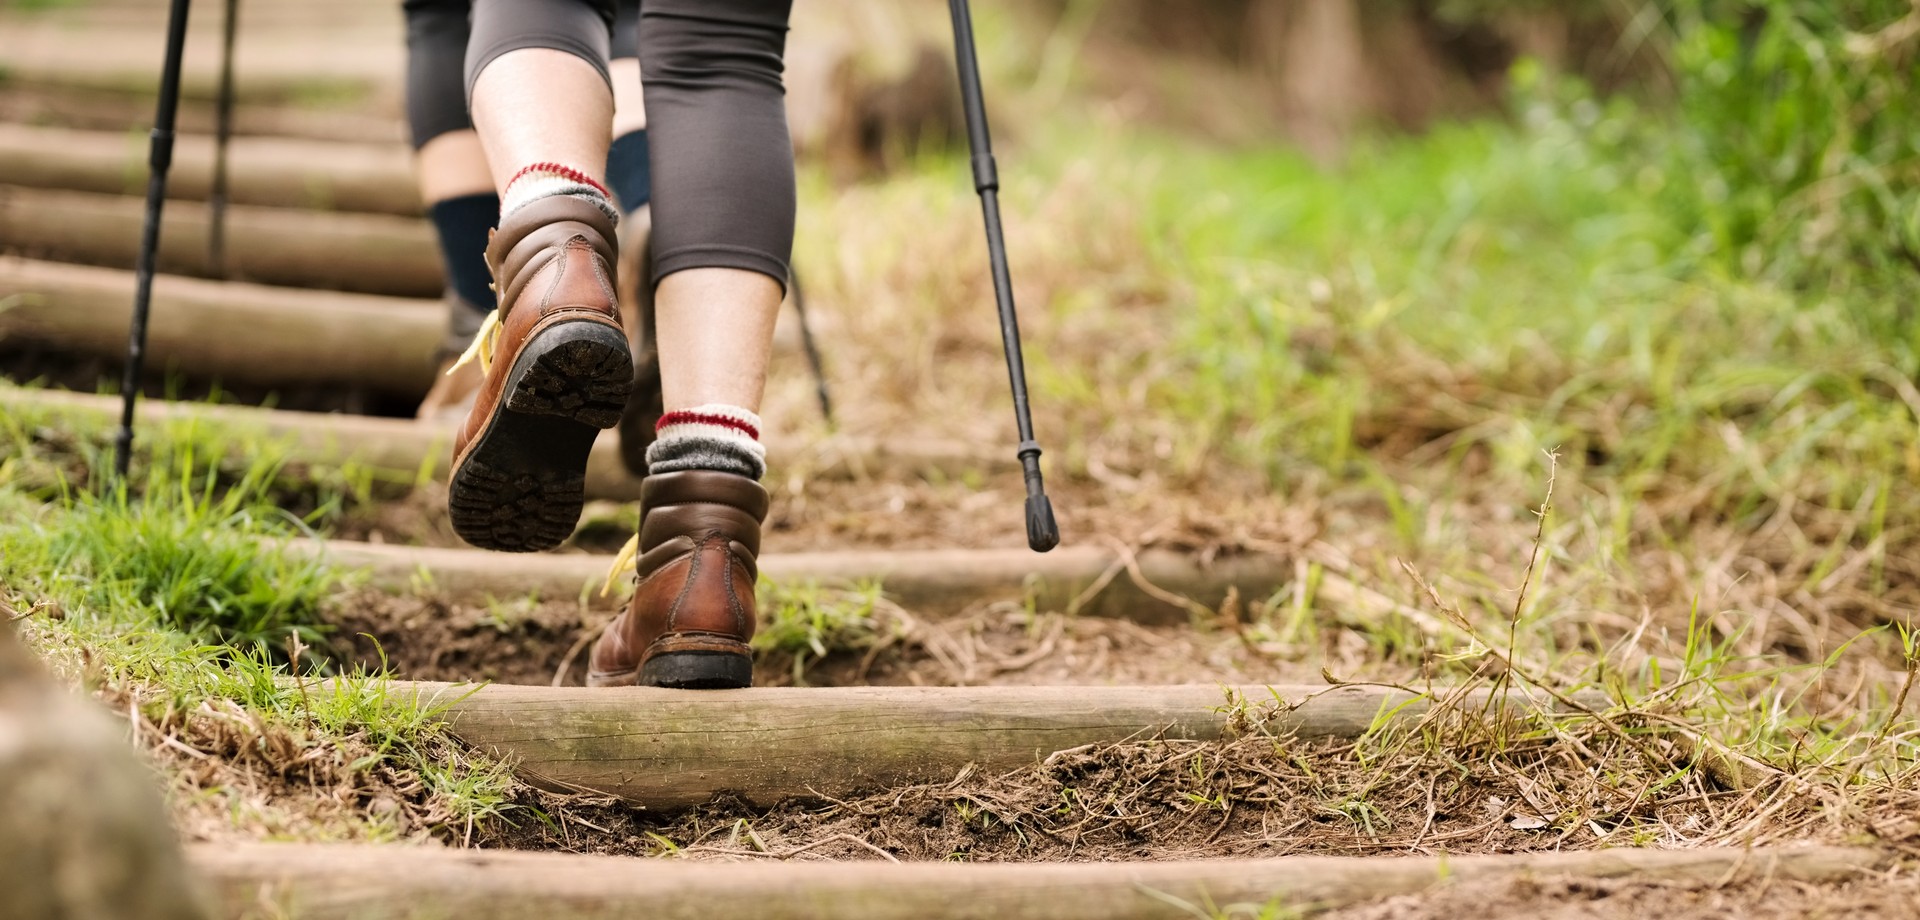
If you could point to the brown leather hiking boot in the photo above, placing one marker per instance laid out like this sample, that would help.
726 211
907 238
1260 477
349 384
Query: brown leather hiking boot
557 370
692 612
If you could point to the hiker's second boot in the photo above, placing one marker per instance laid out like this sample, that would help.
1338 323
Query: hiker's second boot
557 370
692 613
454 389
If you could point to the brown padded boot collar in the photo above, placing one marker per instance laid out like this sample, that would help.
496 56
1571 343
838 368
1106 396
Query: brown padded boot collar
662 489
541 212
697 503
509 259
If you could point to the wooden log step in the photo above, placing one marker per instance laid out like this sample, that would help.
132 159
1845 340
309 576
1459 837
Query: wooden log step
666 749
390 882
228 331
402 447
930 582
368 253
239 332
94 110
276 172
346 63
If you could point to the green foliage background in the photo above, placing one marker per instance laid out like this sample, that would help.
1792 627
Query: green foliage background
1798 155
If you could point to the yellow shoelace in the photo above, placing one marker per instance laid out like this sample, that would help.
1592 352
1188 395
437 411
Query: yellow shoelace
628 560
482 346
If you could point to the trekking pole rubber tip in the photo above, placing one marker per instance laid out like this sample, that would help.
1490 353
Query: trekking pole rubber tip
1043 533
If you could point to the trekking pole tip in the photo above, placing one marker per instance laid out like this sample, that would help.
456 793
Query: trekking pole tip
1043 533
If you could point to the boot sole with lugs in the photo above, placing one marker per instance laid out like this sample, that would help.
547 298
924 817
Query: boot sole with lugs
521 486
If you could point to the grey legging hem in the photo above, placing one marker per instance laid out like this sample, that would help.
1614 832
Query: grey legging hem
717 137
582 28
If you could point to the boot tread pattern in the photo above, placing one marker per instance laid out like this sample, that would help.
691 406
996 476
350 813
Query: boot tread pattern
521 487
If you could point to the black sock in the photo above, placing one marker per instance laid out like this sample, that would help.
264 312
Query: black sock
462 224
629 171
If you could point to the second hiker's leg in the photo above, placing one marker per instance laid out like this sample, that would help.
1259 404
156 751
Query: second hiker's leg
629 175
555 358
723 209
454 185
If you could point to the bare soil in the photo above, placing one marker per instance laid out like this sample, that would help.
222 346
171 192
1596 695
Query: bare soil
1791 589
427 638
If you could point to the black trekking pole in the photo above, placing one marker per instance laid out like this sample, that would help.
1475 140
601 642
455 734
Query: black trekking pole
1042 532
159 158
807 344
222 135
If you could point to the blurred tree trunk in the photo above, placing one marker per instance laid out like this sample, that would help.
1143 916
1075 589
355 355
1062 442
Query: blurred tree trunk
1314 50
83 834
1336 66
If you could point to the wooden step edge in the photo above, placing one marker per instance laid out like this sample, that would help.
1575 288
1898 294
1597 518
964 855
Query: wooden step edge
668 749
229 331
403 447
366 253
277 172
925 582
238 332
392 882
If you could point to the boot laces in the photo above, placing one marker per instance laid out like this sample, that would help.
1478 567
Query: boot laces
628 560
482 347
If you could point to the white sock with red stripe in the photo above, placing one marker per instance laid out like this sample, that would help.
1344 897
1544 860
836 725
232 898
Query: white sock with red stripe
711 437
542 180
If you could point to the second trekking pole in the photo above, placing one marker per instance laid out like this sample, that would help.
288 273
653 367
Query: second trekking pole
1042 532
159 160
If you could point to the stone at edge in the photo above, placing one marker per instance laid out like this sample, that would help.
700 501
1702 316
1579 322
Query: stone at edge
83 832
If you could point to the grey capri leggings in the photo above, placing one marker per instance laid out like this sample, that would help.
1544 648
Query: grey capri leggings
721 156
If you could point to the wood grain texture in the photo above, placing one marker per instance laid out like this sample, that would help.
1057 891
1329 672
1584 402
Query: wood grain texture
395 446
367 253
667 749
227 330
275 172
322 882
926 582
402 446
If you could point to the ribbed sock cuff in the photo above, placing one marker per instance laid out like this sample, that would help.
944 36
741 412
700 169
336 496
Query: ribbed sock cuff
542 180
714 437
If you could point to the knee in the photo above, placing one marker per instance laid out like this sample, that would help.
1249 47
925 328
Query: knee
709 43
581 28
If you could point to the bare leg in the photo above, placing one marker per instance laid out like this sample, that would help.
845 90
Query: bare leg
716 335
539 105
629 106
453 165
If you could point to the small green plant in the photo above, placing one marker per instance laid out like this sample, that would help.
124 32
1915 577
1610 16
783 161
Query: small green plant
806 623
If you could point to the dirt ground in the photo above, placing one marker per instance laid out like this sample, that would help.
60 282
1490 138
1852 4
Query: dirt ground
1004 644
1619 899
1795 588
